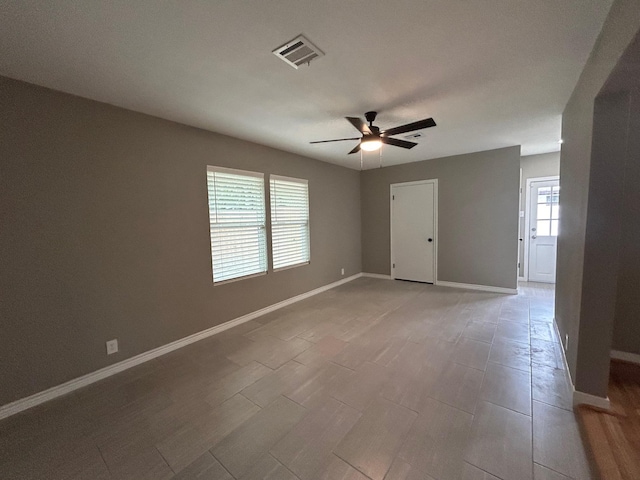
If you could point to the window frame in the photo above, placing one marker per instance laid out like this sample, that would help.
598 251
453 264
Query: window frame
554 206
305 182
265 246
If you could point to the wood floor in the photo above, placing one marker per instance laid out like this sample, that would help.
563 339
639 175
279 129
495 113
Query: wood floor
614 437
376 379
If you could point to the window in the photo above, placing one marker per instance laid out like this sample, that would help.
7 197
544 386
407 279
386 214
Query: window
548 211
289 221
237 223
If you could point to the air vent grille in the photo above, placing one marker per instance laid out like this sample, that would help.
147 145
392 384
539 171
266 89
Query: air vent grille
298 51
413 136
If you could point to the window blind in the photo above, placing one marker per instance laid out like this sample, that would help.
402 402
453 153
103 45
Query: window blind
289 221
237 223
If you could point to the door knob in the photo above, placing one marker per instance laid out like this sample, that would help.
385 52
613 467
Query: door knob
430 240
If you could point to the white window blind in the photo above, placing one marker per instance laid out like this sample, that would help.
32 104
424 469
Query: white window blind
237 223
289 221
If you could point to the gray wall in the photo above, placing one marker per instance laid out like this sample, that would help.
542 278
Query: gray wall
105 234
625 83
577 123
626 327
603 236
478 215
532 166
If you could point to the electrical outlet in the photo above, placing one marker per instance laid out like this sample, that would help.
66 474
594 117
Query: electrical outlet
112 346
342 272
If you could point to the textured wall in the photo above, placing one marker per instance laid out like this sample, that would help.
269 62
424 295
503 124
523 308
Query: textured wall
477 217
603 236
105 234
618 31
626 327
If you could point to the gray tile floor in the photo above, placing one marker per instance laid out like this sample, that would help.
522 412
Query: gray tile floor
376 379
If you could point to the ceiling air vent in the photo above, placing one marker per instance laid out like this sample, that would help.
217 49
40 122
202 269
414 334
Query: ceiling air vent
413 136
298 51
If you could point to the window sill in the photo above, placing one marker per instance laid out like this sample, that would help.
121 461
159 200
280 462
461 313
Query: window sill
288 267
231 280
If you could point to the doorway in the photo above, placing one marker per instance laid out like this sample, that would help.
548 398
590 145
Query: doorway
541 229
414 231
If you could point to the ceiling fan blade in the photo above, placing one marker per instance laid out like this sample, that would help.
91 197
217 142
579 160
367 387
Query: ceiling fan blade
337 140
397 143
355 149
359 124
410 127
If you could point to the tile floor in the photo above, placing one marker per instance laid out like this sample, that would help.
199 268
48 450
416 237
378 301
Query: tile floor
376 379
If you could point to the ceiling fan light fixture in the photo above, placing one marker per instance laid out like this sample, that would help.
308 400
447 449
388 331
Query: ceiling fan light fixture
372 138
370 145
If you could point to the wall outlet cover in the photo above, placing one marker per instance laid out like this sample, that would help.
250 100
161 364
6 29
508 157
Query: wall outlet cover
112 346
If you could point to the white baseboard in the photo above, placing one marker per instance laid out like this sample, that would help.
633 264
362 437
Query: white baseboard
522 279
67 387
377 275
482 288
625 356
564 355
579 398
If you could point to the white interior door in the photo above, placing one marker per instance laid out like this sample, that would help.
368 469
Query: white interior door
413 229
544 218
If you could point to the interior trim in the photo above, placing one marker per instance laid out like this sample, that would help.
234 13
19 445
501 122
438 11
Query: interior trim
527 220
79 382
579 398
482 288
377 275
625 356
434 182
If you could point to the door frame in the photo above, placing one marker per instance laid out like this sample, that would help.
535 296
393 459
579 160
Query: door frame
434 182
527 217
521 227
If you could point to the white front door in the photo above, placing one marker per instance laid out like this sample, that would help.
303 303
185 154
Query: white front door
544 218
413 230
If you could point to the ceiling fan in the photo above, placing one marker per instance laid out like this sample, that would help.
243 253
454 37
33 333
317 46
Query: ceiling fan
372 138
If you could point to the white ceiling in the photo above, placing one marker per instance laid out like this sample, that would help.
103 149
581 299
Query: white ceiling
492 73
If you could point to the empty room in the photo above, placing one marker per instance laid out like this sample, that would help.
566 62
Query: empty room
305 240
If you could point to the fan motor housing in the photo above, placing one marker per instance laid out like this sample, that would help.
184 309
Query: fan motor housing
371 116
